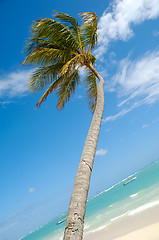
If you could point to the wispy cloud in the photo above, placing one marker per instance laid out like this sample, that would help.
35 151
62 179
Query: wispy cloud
117 21
121 113
156 33
21 222
79 96
101 152
136 83
116 116
156 120
82 71
107 130
14 84
13 227
31 190
145 125
5 103
139 79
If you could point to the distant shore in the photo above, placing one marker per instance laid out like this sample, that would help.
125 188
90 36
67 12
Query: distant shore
141 226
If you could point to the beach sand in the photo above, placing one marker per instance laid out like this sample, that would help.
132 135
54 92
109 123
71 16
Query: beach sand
140 226
147 233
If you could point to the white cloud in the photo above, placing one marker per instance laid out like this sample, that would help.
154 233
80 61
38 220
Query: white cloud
14 84
145 125
112 59
156 120
136 83
156 33
101 152
139 79
5 103
117 21
116 116
31 190
120 114
107 130
82 71
80 96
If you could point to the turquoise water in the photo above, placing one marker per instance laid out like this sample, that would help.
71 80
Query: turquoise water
111 204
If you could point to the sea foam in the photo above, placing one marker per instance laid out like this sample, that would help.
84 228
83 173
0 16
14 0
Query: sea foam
143 207
98 229
133 195
120 216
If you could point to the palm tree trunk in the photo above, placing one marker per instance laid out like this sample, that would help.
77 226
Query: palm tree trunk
76 213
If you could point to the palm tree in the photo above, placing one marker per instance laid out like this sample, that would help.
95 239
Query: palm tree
60 48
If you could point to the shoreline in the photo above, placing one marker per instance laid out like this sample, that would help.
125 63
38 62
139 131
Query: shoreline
130 227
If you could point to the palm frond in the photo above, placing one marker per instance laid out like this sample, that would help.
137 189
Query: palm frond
59 48
56 32
92 58
35 43
51 89
89 29
71 23
43 76
67 88
47 56
91 86
78 59
68 20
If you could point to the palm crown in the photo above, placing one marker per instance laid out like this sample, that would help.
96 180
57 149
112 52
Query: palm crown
61 48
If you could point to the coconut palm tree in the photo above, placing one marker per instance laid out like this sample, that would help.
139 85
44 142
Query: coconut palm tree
60 48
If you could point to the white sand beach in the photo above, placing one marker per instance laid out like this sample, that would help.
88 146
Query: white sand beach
150 232
141 226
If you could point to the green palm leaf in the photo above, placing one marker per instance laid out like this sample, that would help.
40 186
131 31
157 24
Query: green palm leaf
59 49
71 23
44 76
56 32
78 59
67 88
92 58
47 56
89 29
91 86
68 21
51 89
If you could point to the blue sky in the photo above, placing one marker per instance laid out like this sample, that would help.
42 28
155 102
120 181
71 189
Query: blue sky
40 149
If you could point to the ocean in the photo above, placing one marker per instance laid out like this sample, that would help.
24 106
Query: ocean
140 192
